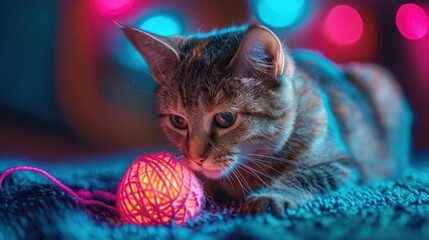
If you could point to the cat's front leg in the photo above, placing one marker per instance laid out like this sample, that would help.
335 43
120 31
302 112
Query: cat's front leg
275 201
296 187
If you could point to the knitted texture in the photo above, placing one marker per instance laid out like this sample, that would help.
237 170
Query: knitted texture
31 207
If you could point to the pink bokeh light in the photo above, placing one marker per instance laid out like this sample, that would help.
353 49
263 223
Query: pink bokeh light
412 21
344 25
113 7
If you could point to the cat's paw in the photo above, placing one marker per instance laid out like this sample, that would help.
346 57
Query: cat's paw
271 202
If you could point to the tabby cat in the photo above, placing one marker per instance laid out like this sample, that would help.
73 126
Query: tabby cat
275 127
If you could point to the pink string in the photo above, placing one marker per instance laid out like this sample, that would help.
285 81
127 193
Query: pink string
82 196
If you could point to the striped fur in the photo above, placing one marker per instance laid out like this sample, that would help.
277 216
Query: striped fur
298 135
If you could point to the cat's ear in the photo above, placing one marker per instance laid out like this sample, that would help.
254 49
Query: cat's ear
159 52
260 52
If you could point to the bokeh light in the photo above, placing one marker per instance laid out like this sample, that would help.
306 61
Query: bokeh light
412 21
163 24
280 13
424 41
113 7
344 25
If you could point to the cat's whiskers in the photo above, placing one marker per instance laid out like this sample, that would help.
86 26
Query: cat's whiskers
241 180
298 164
252 171
267 158
274 150
258 162
246 184
238 180
227 177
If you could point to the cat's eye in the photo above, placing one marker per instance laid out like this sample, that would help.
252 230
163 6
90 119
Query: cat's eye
225 120
178 122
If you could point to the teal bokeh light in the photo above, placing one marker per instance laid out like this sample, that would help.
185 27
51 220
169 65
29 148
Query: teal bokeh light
280 13
163 24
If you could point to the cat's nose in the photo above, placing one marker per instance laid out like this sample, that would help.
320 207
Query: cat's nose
198 161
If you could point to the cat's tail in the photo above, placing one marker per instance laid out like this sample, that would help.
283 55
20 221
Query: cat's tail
393 112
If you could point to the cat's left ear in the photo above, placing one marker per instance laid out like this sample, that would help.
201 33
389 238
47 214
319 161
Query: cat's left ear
159 52
260 52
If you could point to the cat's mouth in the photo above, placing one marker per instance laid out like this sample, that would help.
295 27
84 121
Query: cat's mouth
209 172
215 174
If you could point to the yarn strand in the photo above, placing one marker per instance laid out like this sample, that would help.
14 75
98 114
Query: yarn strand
80 199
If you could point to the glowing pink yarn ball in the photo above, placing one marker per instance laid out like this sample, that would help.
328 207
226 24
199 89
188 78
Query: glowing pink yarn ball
156 189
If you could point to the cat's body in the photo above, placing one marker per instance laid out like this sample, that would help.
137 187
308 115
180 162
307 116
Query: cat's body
275 128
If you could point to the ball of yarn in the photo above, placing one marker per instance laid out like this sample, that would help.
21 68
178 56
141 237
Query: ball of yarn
156 189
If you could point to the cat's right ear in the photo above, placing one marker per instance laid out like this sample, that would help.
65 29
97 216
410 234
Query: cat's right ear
260 53
159 52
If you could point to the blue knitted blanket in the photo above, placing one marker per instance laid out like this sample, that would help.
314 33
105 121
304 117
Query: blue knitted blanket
31 207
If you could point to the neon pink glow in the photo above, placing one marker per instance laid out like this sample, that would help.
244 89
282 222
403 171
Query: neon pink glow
113 7
412 21
344 24
424 41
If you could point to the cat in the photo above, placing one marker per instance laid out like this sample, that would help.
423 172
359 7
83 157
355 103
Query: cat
275 127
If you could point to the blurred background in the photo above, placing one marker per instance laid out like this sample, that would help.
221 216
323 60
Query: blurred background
71 85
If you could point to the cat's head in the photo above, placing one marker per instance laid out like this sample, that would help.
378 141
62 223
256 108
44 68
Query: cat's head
221 96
